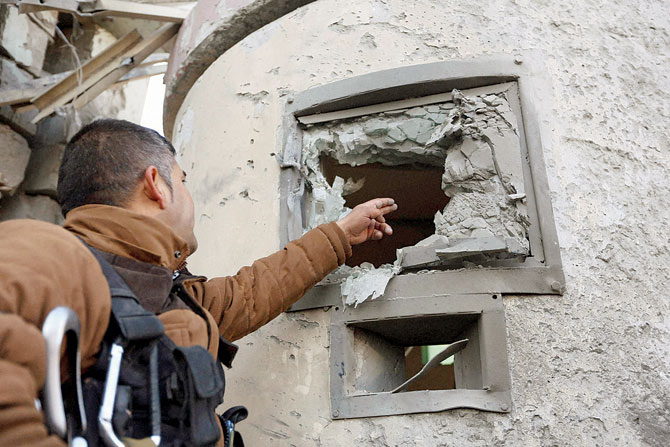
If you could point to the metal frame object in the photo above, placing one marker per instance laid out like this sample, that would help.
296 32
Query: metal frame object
425 84
63 322
481 367
109 396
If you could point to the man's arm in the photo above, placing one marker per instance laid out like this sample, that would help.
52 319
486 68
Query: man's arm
242 303
22 357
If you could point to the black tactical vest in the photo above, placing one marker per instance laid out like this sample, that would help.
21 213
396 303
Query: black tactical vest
144 386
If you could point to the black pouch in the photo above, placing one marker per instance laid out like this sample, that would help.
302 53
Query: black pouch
201 385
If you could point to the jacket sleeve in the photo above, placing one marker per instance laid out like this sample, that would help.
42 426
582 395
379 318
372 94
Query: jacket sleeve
22 370
42 266
242 303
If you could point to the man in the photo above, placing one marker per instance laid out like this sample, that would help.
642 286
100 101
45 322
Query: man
123 193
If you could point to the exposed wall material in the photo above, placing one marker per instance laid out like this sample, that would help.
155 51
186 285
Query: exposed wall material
24 206
28 54
14 156
42 172
476 142
365 282
25 38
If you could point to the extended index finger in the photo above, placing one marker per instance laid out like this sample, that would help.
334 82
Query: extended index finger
385 206
383 202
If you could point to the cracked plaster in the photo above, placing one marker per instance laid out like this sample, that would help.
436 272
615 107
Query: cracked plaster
474 139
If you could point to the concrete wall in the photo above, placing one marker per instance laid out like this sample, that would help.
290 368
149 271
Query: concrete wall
588 368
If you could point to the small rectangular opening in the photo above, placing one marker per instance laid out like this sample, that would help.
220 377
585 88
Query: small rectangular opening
377 348
389 352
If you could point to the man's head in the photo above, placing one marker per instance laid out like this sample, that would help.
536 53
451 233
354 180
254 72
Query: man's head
118 163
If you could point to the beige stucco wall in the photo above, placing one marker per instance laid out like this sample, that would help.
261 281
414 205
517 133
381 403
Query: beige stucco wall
588 368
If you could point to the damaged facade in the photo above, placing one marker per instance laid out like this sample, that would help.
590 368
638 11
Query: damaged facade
586 368
591 72
33 53
474 141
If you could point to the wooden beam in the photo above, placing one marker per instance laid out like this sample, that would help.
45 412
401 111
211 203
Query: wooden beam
118 8
136 55
24 92
67 86
142 72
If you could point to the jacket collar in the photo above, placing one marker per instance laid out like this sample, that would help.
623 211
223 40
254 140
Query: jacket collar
128 234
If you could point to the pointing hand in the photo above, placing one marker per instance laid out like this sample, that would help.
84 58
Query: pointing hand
366 221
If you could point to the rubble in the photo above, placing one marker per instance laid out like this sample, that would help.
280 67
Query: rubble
14 156
26 40
42 173
366 282
23 206
472 246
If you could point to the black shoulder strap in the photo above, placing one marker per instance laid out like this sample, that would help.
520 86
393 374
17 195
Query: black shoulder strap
134 322
227 350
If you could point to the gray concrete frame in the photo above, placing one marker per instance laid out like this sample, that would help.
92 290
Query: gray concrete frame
481 369
540 274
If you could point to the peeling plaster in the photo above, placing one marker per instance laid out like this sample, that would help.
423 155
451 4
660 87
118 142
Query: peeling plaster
366 282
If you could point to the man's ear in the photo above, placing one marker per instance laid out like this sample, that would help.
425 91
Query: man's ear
154 187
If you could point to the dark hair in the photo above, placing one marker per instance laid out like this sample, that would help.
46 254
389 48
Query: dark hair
105 160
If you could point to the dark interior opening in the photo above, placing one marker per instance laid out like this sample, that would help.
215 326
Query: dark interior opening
415 188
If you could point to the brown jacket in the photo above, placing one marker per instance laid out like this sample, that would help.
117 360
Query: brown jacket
43 266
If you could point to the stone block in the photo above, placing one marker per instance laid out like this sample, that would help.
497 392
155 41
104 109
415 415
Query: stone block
23 206
25 41
472 246
396 135
54 128
416 112
417 256
415 127
42 173
375 128
12 75
14 156
19 122
434 241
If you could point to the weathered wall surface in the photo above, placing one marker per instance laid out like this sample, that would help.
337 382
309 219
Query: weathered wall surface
588 368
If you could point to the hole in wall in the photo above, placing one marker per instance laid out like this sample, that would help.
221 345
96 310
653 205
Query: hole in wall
415 188
390 352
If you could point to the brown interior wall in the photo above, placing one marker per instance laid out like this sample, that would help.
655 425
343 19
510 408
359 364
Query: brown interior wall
417 191
439 378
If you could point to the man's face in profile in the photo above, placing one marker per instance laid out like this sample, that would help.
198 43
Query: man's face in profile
180 211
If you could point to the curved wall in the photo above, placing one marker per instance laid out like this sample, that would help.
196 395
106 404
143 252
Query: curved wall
588 368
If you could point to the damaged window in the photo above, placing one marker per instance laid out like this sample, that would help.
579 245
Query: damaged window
419 354
453 164
458 145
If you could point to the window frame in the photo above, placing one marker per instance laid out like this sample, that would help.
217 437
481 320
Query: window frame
487 358
543 274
